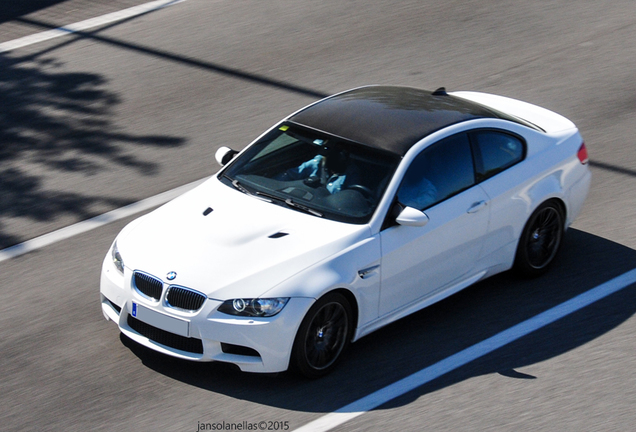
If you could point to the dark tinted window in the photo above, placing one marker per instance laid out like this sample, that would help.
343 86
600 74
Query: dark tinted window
496 151
313 172
440 171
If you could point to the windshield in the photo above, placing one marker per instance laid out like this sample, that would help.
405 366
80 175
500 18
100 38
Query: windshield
313 172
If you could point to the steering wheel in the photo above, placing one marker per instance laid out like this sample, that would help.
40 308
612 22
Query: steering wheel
365 191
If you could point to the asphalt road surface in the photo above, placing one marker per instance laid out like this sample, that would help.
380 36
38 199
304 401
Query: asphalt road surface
108 116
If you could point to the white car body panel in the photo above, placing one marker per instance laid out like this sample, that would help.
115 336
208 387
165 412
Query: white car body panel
419 261
548 120
233 248
385 273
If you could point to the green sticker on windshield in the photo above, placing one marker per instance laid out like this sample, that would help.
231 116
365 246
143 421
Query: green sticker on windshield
283 128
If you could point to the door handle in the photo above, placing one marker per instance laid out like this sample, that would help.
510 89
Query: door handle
369 271
476 206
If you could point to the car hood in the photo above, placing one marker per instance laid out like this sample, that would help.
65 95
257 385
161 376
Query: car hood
242 248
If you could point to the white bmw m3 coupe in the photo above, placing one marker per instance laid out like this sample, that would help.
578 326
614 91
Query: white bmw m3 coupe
347 215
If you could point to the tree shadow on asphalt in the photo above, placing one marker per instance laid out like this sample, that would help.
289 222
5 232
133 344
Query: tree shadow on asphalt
444 329
54 121
61 121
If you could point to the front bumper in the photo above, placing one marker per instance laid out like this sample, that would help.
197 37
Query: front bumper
253 344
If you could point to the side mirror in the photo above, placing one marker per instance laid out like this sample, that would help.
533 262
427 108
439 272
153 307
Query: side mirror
412 217
224 154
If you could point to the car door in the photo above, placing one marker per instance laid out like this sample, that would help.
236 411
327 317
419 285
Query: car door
497 159
417 262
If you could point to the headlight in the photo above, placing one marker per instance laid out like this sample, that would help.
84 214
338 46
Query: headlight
117 259
254 307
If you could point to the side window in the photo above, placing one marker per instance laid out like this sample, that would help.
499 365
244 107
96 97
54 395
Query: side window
440 171
496 151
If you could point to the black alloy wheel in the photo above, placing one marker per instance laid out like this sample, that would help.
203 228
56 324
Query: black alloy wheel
323 336
540 240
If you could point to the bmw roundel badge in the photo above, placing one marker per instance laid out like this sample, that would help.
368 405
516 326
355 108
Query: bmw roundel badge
171 275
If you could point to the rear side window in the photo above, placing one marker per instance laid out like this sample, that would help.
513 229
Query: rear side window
495 151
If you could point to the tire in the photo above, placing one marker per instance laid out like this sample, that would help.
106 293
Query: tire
323 336
540 240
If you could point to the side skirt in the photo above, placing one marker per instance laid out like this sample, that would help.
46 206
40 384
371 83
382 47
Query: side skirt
417 305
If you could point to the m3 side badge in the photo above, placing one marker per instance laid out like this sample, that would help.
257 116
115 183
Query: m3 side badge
171 275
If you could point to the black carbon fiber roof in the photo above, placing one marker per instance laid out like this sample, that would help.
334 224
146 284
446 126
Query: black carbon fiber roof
388 117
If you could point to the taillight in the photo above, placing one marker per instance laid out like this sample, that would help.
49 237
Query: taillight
582 154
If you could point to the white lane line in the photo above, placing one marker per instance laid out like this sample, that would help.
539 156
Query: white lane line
374 400
85 25
96 222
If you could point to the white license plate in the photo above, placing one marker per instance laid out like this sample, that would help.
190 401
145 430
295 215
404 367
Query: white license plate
159 320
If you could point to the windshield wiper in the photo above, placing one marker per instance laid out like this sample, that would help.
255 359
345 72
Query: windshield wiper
243 189
240 187
291 203
264 196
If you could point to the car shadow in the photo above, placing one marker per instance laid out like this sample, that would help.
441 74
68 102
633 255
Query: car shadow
435 333
10 10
